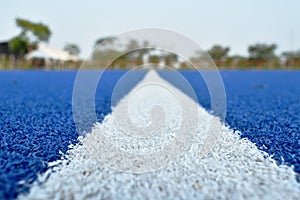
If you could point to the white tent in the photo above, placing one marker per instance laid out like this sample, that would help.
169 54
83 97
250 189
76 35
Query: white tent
50 53
36 54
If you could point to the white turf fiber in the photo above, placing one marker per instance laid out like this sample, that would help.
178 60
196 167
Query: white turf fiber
233 168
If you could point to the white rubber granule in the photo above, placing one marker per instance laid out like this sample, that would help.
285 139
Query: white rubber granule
233 168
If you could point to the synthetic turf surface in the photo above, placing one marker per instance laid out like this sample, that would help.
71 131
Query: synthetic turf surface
36 116
263 105
36 122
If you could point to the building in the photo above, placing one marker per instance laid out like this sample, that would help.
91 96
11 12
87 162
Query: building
7 58
48 57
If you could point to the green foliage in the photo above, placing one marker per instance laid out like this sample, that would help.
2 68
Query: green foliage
170 59
217 52
185 65
105 42
73 49
261 56
24 42
103 58
19 45
132 44
291 58
40 31
107 50
154 59
133 55
235 62
291 55
262 51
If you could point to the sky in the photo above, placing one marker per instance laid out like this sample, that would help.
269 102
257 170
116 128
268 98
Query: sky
232 23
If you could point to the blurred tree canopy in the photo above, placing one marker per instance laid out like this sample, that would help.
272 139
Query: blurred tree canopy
131 53
261 55
219 54
105 51
136 52
291 58
31 34
72 49
262 51
41 32
109 49
106 41
170 59
20 46
155 59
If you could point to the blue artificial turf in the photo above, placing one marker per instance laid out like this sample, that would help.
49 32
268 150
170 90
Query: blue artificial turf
36 116
36 121
263 105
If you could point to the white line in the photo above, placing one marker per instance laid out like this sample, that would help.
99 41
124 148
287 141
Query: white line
234 169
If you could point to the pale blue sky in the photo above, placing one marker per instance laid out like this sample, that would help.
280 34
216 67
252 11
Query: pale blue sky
234 23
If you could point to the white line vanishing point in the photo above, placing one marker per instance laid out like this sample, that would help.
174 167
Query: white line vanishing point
233 169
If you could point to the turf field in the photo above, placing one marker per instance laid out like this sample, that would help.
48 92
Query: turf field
36 124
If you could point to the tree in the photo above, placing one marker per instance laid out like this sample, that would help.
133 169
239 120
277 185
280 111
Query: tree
219 54
154 59
291 58
106 41
105 51
170 59
135 54
31 34
132 44
73 49
260 53
236 61
200 59
39 31
19 46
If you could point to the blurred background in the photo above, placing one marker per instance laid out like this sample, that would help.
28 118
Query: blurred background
60 34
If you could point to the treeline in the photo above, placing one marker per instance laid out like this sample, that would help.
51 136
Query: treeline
260 56
108 51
